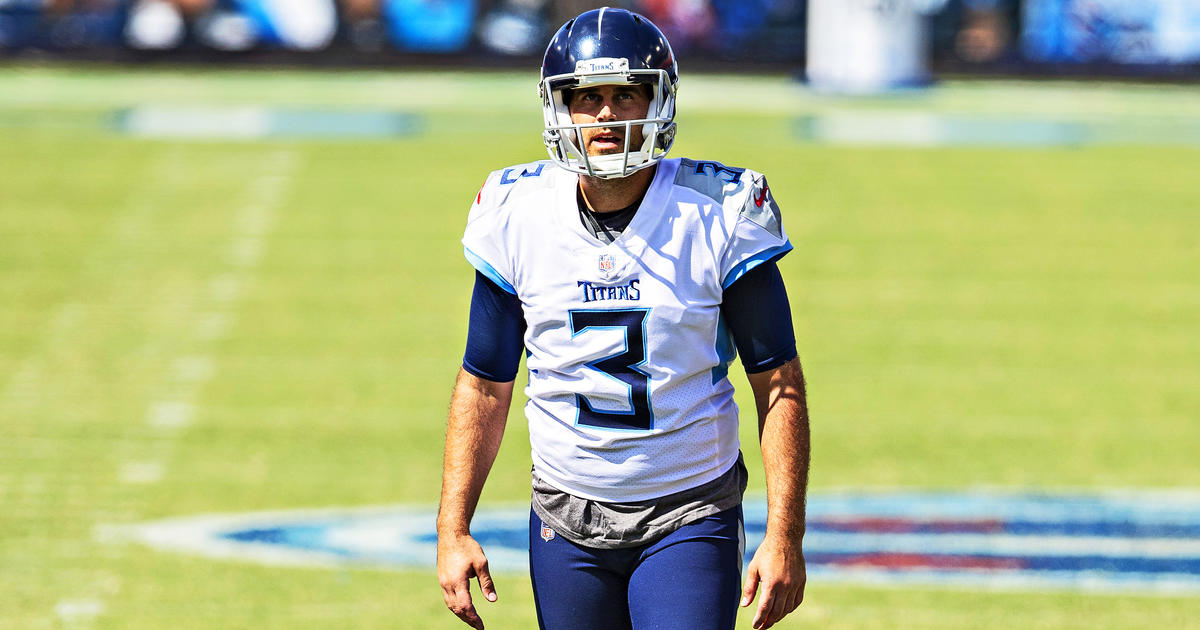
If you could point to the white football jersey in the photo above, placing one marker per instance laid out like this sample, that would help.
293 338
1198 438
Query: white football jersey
625 345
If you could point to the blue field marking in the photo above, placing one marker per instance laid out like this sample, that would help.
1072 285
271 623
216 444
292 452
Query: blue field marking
311 536
900 562
932 129
1118 529
1135 541
252 123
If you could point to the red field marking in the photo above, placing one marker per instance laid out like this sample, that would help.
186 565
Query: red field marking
924 561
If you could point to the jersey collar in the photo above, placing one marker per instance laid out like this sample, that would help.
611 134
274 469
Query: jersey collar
649 212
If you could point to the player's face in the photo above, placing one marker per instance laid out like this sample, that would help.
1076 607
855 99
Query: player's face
610 103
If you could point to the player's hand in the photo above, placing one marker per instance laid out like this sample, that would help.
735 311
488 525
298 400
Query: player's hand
460 558
778 566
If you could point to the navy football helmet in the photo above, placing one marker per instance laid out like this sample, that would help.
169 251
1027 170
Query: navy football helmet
608 47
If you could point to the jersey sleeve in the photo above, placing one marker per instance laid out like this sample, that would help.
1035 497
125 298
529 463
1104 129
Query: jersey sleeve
483 242
758 315
495 337
757 234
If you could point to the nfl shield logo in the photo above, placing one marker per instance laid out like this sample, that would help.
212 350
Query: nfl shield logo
547 533
607 264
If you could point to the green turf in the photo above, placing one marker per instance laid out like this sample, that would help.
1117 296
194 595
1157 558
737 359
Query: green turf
1017 318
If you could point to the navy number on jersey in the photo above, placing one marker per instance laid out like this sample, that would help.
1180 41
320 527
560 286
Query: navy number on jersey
622 366
717 169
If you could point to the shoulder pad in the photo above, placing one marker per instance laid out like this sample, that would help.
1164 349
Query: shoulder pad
760 207
711 179
514 180
738 190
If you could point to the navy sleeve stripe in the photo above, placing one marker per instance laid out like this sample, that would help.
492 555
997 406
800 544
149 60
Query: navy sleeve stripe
496 335
758 315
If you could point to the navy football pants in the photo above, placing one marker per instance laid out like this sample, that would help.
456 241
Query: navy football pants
688 580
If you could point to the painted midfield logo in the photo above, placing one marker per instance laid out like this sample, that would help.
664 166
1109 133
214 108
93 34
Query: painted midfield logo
1135 541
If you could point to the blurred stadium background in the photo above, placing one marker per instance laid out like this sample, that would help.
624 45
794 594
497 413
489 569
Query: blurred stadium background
230 277
1043 37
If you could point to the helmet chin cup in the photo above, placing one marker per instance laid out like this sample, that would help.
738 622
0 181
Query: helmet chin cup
619 164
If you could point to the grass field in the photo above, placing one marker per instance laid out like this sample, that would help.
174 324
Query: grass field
204 325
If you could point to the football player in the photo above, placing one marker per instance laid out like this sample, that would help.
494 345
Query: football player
629 281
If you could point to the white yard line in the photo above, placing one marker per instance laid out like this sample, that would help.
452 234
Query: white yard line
192 369
225 288
175 408
145 458
78 614
170 414
141 473
212 325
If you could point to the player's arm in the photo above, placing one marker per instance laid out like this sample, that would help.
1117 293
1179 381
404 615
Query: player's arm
784 436
757 311
474 430
478 412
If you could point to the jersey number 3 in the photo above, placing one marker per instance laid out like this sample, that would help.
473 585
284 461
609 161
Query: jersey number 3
622 367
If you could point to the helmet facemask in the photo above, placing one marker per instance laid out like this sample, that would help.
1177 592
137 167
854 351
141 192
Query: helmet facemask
562 136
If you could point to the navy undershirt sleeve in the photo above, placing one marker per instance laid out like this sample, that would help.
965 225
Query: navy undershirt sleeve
496 335
757 313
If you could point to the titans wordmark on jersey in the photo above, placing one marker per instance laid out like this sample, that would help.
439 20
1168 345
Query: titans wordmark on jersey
626 350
